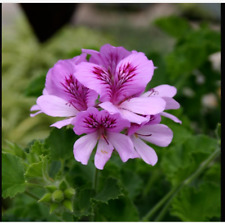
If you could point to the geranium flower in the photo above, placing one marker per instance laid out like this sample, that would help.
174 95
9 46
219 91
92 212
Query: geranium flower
104 129
63 95
119 77
152 132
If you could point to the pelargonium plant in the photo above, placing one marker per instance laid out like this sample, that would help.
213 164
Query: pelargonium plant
105 99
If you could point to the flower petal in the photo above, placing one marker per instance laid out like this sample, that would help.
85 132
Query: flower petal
123 146
146 152
127 115
55 106
98 78
171 103
103 153
172 117
132 117
35 108
84 146
144 106
62 123
132 75
164 90
158 134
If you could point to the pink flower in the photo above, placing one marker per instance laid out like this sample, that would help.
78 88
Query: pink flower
119 77
104 129
152 132
63 95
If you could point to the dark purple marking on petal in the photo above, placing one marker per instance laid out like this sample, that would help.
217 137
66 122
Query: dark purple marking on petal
143 134
77 93
153 92
104 123
102 75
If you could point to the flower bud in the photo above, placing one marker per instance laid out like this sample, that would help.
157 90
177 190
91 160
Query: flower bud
51 188
57 196
63 185
68 205
46 198
69 192
53 206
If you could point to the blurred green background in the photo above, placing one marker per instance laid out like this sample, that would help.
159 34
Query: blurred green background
183 40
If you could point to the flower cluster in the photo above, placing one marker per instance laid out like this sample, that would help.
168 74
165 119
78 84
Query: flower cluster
104 98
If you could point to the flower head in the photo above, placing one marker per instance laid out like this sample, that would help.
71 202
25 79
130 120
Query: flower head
104 129
125 117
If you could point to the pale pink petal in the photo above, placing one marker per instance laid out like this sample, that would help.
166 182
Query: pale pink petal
35 108
103 153
146 152
91 97
132 117
123 146
62 123
172 117
111 108
132 75
56 76
112 56
165 90
158 134
55 106
144 106
161 91
94 77
84 146
36 113
134 127
171 103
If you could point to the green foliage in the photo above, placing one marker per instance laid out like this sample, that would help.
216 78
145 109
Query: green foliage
36 86
167 24
121 209
198 204
111 190
82 205
13 181
60 143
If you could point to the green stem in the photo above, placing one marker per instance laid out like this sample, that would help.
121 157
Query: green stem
95 180
169 196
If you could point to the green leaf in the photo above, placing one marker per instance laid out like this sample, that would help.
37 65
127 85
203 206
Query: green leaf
173 25
82 204
199 204
36 86
132 182
13 181
60 143
121 209
179 161
14 149
37 172
111 190
191 52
